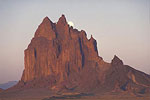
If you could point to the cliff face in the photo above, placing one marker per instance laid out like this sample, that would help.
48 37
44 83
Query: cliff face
59 51
62 58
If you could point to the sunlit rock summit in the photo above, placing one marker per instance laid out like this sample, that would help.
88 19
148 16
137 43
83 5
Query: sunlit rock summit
61 58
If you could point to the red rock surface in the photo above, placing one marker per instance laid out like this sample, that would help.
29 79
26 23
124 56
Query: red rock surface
61 58
1 90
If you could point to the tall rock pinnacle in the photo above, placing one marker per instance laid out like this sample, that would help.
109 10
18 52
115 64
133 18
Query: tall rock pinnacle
62 28
62 58
46 29
62 20
61 52
116 61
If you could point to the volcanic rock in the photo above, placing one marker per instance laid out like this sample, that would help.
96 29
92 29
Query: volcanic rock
61 58
60 54
127 78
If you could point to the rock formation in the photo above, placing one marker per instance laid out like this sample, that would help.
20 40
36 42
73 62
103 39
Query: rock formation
61 58
1 90
127 78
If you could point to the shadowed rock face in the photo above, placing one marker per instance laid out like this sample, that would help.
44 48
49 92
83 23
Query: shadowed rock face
125 78
62 58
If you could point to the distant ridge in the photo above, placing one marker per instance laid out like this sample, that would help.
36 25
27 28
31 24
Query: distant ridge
8 84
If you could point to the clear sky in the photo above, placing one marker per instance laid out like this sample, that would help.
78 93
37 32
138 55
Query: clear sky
121 27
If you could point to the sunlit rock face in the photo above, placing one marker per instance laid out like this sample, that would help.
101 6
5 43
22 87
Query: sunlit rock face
61 58
62 52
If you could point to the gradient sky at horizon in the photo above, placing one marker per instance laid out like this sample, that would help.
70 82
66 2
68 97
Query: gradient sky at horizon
121 27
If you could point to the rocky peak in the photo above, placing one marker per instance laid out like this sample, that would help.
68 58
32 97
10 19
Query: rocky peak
62 20
63 54
94 43
46 29
92 39
116 61
46 20
62 28
70 61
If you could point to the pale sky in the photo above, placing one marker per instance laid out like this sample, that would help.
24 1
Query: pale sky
121 27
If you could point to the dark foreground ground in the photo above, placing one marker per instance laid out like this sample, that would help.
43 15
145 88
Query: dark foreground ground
99 97
43 94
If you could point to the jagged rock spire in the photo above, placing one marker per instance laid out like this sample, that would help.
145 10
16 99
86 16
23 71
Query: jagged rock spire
46 19
70 61
116 61
62 20
46 29
56 50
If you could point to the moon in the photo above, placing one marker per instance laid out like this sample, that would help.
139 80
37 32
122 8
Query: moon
70 23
